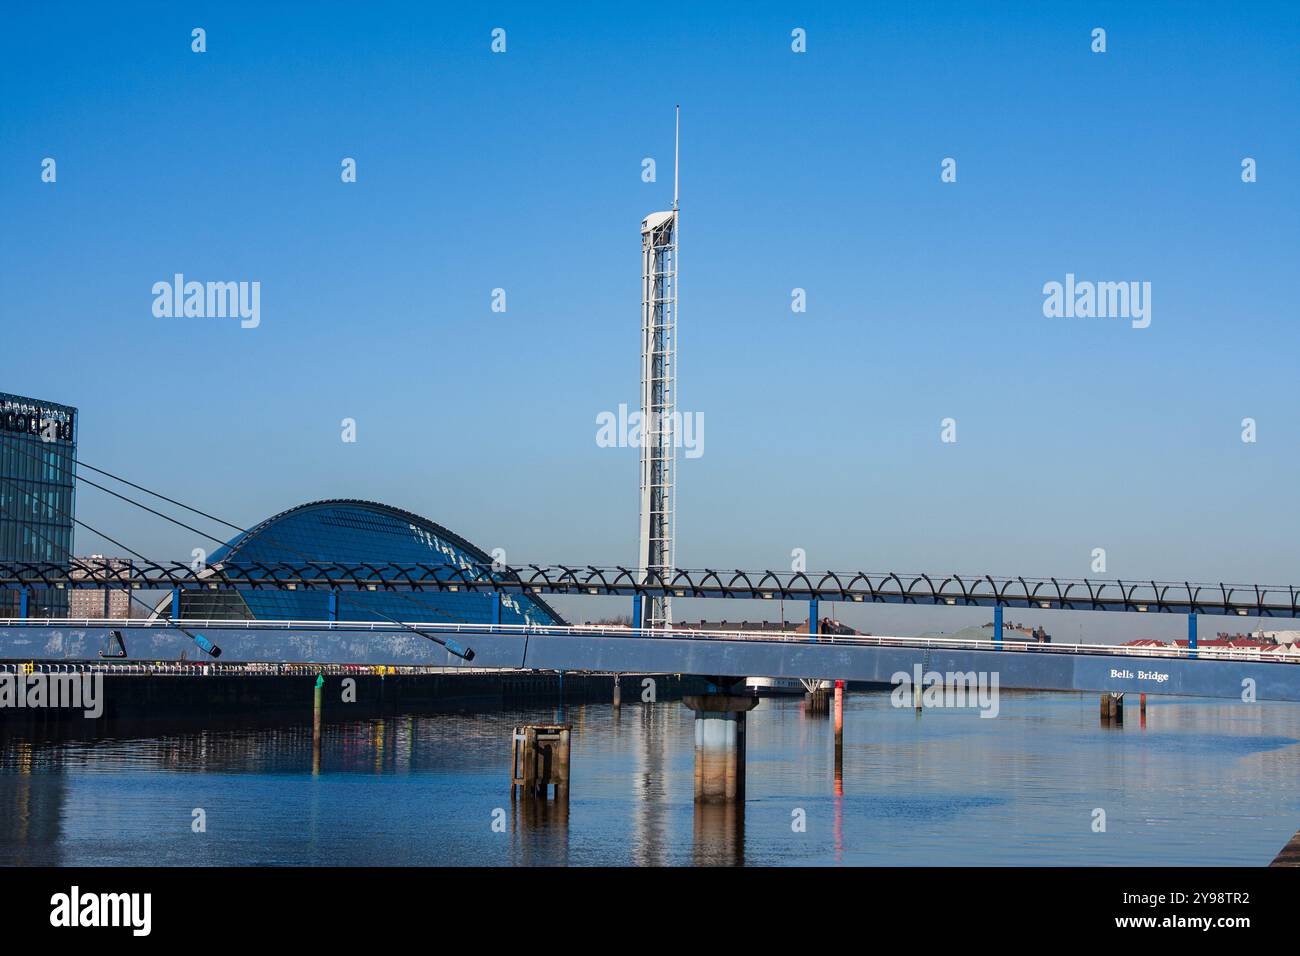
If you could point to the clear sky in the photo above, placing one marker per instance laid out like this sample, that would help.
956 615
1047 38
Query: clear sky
816 170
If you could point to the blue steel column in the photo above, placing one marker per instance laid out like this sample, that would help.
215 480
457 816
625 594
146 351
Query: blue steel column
496 608
333 611
997 625
176 604
813 621
1191 634
638 607
22 603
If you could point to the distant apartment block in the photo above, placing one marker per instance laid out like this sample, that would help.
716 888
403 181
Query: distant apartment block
106 602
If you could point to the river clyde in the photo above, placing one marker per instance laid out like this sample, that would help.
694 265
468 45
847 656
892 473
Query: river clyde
1203 783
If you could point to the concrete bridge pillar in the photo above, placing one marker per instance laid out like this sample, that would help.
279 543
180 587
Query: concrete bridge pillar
720 745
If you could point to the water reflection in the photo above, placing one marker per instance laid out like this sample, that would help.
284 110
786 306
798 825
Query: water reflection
651 741
719 834
1201 782
31 809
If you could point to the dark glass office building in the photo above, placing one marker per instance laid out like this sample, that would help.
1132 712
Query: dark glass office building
38 447
356 532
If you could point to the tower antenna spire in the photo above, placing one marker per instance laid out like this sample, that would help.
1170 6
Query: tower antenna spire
677 150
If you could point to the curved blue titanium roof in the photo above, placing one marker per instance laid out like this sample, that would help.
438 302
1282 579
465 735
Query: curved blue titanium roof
348 530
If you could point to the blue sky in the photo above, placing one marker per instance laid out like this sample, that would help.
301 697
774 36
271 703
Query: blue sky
817 170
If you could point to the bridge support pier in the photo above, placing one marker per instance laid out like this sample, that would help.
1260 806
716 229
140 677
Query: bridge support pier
720 745
618 691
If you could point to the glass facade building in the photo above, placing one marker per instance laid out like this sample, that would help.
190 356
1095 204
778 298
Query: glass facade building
348 531
38 448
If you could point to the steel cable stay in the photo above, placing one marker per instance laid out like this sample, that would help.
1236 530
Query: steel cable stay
199 640
452 646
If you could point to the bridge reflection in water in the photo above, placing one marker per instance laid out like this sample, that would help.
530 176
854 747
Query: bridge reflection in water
1205 783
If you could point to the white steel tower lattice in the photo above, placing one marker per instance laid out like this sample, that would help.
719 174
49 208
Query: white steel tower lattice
659 399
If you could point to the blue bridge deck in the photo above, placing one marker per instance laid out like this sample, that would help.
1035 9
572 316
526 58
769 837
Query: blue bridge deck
1019 665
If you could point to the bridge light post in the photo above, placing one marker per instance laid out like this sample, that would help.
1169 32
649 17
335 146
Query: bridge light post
455 647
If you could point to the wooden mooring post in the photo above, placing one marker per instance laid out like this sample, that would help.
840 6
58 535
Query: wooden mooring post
540 758
1112 708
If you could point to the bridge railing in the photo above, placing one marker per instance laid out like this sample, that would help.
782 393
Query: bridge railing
891 587
240 668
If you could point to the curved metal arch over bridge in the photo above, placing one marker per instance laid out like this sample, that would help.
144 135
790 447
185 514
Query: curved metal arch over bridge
847 586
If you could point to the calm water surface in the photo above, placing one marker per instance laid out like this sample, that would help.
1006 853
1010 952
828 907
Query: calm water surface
1206 782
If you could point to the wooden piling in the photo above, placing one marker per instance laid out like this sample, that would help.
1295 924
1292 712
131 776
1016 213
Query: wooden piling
315 724
540 758
1112 708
